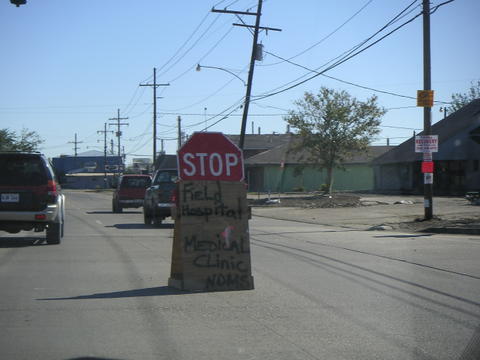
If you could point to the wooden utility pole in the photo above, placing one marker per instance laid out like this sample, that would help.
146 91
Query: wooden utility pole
427 110
104 132
154 86
253 57
179 129
119 133
75 146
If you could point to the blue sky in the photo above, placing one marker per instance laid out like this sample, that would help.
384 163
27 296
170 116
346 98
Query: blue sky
67 65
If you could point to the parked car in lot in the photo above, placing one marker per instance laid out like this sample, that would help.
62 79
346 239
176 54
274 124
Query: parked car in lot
159 198
30 196
130 192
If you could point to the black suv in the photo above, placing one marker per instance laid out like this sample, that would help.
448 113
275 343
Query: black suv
159 198
30 196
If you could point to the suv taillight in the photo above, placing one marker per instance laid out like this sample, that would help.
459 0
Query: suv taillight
52 192
173 197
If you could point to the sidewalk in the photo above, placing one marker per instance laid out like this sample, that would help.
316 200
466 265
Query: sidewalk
379 212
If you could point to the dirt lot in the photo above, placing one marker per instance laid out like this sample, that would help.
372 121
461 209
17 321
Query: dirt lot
370 211
310 201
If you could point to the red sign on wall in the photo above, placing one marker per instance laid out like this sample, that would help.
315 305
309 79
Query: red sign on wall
210 156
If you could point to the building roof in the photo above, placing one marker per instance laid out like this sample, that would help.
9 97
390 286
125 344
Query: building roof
91 153
281 154
467 119
261 141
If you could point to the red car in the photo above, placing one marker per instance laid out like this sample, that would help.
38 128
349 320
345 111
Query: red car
130 192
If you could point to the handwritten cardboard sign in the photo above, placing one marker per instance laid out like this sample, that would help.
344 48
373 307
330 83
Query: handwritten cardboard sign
211 248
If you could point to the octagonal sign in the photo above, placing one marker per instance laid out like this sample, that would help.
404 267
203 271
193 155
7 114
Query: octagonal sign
210 156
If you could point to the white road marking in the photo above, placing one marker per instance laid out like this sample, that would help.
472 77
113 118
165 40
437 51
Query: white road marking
98 222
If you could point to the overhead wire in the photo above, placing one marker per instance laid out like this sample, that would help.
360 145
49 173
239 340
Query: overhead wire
435 8
352 55
325 37
140 137
129 106
185 42
203 57
352 83
346 53
208 96
191 47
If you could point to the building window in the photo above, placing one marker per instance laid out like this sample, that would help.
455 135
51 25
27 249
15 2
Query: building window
476 165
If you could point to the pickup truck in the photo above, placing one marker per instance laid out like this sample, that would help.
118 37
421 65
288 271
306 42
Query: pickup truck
130 192
159 197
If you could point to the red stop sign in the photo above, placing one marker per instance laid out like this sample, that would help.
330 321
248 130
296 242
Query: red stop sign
210 156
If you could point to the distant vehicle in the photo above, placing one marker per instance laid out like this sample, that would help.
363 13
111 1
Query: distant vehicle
159 198
130 192
30 196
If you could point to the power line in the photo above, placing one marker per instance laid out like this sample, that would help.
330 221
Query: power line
351 53
346 53
351 83
398 127
260 97
435 8
204 56
208 96
129 106
142 113
185 42
203 114
325 37
340 80
191 47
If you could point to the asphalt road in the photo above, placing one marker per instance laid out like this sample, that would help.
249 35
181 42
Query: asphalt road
321 293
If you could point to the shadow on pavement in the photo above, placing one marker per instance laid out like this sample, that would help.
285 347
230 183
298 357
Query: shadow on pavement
92 358
264 233
403 236
155 291
16 242
111 212
138 226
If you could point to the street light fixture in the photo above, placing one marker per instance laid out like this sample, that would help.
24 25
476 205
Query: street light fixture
199 67
17 3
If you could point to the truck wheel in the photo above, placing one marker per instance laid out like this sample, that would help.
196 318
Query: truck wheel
147 218
116 207
54 233
157 221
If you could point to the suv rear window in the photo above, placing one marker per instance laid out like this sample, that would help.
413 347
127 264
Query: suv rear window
165 177
22 170
136 182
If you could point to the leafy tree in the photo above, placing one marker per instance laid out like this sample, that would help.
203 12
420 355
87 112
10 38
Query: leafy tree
26 141
459 100
7 139
332 125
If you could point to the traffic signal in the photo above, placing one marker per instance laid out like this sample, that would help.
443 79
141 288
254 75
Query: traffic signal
17 3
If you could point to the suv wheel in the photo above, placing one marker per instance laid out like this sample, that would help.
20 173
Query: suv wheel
54 233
